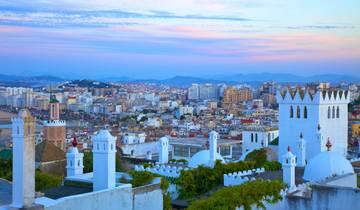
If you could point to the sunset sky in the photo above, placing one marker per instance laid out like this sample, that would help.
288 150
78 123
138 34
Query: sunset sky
159 39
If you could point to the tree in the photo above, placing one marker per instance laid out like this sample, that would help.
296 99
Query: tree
245 195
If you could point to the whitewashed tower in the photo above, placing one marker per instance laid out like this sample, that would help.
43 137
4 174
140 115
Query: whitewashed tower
103 160
301 112
288 165
163 150
213 138
74 159
23 134
301 157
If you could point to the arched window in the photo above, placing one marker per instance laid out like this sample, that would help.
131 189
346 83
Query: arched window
252 137
333 112
298 112
256 137
337 112
291 112
329 112
305 112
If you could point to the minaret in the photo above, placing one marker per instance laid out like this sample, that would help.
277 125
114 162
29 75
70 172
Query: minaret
163 150
213 137
23 134
54 108
301 160
74 160
103 160
54 128
288 166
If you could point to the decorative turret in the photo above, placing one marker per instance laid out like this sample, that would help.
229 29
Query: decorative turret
23 135
74 160
288 165
103 160
213 138
163 146
301 160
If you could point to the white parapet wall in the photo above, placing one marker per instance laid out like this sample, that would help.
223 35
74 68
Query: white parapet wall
238 178
120 197
168 171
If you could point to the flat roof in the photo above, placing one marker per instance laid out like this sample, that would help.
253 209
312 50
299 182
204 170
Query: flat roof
200 142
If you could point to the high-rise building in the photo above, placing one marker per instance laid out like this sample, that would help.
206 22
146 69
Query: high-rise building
54 128
209 91
233 95
194 92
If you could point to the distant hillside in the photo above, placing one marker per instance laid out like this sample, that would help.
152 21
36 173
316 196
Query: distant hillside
252 79
90 84
28 81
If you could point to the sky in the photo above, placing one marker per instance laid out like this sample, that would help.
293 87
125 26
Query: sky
161 39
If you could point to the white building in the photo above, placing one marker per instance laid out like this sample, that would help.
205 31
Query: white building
317 116
257 137
104 149
183 110
133 138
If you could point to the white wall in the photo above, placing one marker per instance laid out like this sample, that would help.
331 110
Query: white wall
262 136
110 199
333 128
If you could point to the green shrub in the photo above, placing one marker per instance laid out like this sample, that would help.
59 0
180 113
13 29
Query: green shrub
200 180
44 180
259 156
140 178
272 166
245 195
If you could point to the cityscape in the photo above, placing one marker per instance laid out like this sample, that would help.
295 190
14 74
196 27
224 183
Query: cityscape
197 105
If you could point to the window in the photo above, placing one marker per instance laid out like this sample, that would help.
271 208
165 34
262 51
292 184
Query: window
337 112
333 112
17 130
52 110
70 163
269 137
104 146
256 137
329 112
79 163
291 112
297 112
252 137
287 161
305 112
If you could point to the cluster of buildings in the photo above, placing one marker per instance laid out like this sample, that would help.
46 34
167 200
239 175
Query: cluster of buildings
304 128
